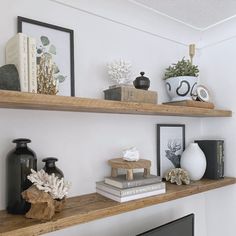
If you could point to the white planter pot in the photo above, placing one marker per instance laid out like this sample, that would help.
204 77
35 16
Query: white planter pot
194 161
181 88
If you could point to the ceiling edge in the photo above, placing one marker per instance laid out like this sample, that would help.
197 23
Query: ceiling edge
202 29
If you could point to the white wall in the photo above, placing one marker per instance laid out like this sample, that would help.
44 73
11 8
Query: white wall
84 142
217 72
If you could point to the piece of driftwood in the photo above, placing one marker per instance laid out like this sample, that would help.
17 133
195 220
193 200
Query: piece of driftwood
43 206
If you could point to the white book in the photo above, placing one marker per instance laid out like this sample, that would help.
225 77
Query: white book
17 54
131 197
129 191
32 66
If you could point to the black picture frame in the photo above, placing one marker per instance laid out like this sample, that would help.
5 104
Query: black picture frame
20 22
169 158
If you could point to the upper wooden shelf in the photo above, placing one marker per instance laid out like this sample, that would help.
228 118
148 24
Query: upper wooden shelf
93 206
20 100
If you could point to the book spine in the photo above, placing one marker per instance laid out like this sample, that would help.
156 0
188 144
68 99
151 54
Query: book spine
32 65
16 53
133 183
23 52
131 191
220 159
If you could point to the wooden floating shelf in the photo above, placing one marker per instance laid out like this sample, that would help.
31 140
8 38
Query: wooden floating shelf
93 206
21 100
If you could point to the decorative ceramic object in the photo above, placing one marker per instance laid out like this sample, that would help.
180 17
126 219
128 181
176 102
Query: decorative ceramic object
9 78
142 82
131 154
178 176
181 88
194 161
202 94
181 79
120 72
20 161
50 167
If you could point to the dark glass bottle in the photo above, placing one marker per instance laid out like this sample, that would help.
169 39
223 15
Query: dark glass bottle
20 161
50 167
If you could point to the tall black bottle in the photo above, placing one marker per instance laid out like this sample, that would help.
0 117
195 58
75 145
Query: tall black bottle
20 161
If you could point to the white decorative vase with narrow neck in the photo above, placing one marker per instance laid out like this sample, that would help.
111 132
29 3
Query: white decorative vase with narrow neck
194 161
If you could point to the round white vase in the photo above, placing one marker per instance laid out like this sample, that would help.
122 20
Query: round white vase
194 161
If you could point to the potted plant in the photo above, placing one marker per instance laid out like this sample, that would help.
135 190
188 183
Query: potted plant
181 80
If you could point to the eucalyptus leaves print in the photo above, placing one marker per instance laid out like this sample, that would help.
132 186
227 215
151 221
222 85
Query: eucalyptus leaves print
48 76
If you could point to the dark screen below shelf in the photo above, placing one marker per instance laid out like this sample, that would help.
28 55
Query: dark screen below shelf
180 227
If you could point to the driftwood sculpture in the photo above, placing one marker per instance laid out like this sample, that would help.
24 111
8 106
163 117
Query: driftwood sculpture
47 195
42 204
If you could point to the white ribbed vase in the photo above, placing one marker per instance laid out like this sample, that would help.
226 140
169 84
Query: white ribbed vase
194 161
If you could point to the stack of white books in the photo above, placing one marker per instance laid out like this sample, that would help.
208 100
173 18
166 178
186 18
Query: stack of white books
21 51
121 190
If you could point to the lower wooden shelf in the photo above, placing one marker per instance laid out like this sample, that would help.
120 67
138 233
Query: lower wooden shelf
93 206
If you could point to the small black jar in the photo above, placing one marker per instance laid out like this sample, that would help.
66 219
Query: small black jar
142 82
20 161
50 167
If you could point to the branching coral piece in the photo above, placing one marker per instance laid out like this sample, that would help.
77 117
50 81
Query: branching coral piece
57 188
120 71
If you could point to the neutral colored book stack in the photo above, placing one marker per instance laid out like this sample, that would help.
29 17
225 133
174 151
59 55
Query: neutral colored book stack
121 190
21 51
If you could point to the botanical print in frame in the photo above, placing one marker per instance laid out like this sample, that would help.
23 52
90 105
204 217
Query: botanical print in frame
170 145
57 43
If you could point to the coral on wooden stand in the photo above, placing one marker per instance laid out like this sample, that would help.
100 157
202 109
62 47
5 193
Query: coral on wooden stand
47 195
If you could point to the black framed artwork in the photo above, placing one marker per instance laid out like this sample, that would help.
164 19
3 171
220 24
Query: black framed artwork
170 145
57 43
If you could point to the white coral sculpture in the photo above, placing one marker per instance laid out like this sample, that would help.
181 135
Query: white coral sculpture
120 71
51 184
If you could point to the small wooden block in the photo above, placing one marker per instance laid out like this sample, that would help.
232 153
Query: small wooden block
130 94
114 172
190 103
146 172
129 175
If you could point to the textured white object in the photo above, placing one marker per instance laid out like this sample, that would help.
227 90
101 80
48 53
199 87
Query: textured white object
120 71
181 88
131 154
57 188
194 161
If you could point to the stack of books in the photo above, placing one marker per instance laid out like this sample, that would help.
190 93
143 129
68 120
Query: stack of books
121 190
21 51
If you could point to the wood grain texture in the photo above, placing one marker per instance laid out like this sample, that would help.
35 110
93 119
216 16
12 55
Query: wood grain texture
120 163
93 206
189 103
20 100
130 94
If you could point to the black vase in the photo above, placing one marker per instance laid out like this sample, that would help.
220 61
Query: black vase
142 82
20 161
50 167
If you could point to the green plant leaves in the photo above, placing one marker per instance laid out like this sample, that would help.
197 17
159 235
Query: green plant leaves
60 78
181 68
52 49
45 40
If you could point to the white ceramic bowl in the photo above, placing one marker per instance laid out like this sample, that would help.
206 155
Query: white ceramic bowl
181 88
